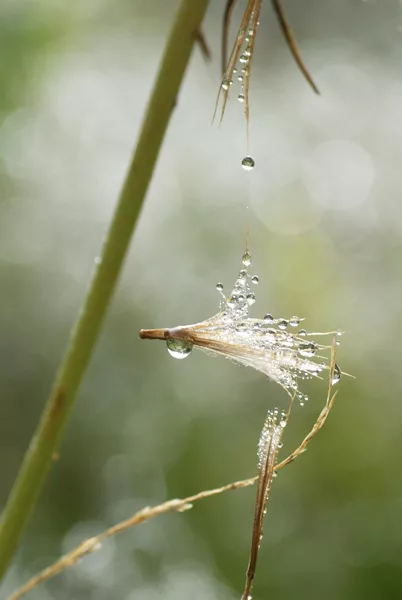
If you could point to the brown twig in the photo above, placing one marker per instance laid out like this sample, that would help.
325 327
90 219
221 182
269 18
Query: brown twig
291 42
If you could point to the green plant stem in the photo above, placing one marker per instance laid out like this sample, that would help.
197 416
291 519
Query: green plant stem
84 335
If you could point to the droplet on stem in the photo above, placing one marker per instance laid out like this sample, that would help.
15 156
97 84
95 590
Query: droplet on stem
246 260
178 348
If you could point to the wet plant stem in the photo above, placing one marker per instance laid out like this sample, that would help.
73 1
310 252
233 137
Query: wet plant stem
85 333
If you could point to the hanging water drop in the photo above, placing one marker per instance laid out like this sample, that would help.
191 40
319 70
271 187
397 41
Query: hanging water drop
246 260
178 348
294 321
243 58
240 97
219 287
336 375
240 78
255 279
248 163
268 318
282 324
302 332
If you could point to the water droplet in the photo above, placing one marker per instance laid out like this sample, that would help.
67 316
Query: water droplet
240 78
307 349
302 332
179 348
255 279
247 51
219 287
98 260
283 423
280 445
246 259
234 70
268 318
243 58
248 163
336 375
232 301
226 83
250 299
240 97
282 324
294 321
240 298
339 333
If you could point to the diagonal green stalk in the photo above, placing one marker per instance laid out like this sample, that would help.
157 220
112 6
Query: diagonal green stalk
84 335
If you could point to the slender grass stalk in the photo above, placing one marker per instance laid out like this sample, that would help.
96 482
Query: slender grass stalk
84 335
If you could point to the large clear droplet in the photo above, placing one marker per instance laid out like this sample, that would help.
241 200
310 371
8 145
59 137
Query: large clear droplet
268 318
255 279
179 348
282 324
240 97
243 58
294 321
219 287
337 375
248 163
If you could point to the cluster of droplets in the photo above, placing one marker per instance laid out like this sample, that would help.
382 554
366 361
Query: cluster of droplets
240 73
274 346
242 297
286 356
271 434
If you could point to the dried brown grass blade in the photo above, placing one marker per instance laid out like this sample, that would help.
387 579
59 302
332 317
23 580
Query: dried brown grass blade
227 16
203 44
234 56
289 37
266 474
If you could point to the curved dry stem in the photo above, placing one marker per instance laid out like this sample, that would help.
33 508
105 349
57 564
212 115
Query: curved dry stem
90 545
291 42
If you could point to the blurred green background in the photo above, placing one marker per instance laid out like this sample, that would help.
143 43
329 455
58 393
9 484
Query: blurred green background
325 217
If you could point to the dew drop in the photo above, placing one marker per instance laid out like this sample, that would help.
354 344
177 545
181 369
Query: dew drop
246 259
268 318
282 324
250 299
240 97
255 279
339 333
294 321
226 83
240 78
243 58
307 349
336 375
178 348
219 287
248 163
302 332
